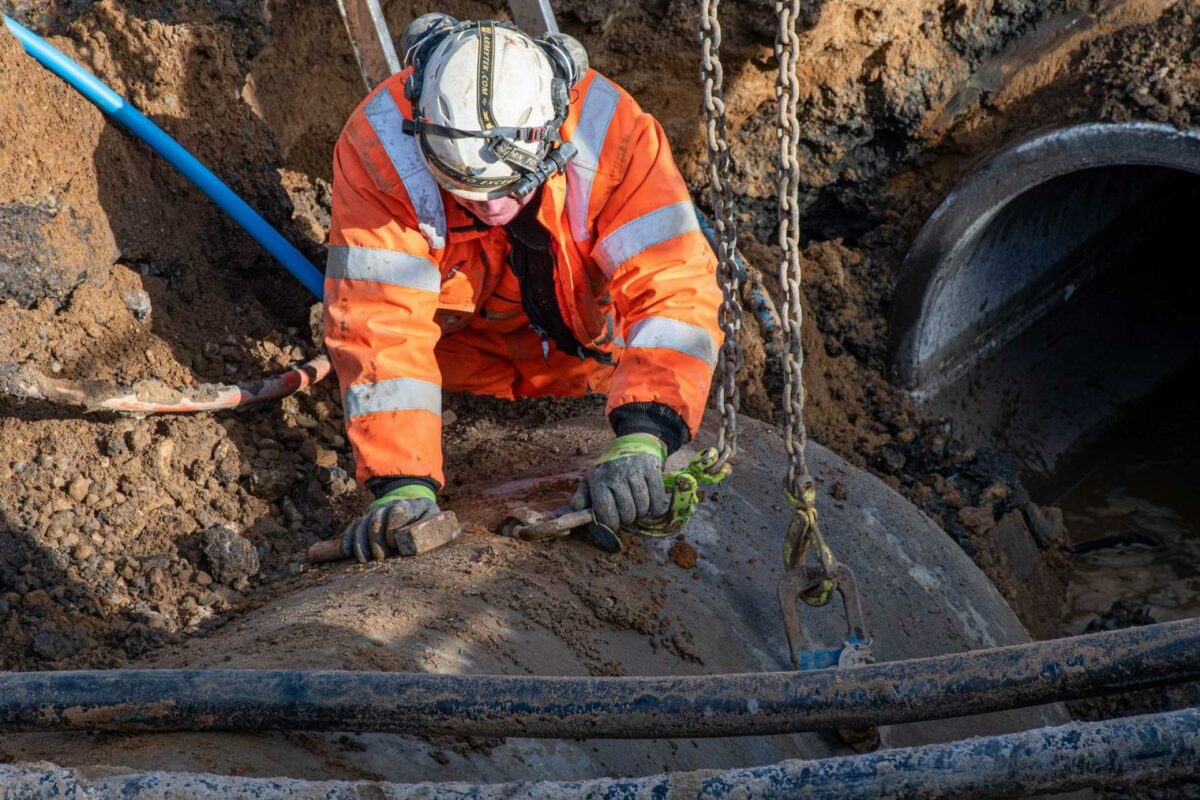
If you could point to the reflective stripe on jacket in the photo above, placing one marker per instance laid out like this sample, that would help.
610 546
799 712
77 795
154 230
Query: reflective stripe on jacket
633 272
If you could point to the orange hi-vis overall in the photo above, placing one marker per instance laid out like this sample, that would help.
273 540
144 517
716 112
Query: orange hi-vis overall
420 297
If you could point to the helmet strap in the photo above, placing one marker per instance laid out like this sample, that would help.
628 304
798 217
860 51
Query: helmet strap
514 156
425 127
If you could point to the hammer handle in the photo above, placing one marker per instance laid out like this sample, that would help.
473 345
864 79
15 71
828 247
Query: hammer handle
560 525
324 552
329 550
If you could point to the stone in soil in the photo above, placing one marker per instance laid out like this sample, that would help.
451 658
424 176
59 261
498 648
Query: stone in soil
229 555
683 554
54 642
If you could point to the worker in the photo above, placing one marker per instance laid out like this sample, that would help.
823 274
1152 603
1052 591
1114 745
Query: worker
508 222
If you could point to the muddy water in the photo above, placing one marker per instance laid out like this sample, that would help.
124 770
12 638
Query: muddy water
1134 517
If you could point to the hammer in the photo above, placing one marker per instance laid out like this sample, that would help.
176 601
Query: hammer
409 540
531 525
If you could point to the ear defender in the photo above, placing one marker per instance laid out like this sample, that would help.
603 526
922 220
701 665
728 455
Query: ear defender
420 38
567 55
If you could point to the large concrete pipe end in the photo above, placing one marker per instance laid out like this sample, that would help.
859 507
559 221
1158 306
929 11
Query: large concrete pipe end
1053 287
489 605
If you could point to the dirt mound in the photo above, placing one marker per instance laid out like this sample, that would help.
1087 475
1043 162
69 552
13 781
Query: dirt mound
490 605
1148 71
114 268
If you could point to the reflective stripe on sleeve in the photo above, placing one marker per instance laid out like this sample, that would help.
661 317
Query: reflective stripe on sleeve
387 122
639 234
383 266
398 394
594 119
672 334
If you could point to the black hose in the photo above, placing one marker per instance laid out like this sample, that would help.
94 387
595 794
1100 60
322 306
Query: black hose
617 708
1113 754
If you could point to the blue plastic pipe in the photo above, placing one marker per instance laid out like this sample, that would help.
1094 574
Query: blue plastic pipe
120 110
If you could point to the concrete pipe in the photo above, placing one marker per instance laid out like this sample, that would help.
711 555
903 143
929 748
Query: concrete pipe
1041 297
489 605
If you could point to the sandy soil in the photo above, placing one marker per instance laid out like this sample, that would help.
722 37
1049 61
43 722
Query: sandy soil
491 605
104 520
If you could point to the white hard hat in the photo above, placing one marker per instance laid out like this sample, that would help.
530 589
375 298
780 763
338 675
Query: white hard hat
486 110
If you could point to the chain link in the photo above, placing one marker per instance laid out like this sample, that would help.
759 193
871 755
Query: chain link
712 76
787 89
801 490
804 530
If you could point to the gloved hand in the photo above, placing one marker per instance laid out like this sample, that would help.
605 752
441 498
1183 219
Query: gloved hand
364 538
626 483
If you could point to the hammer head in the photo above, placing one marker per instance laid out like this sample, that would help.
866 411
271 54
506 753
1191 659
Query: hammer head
521 518
412 540
425 535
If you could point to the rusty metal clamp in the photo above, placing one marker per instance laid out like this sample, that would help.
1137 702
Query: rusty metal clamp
795 586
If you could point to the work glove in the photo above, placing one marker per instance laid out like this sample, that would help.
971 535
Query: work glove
364 538
626 483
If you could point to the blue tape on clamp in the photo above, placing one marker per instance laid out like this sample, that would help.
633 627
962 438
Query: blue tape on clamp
824 659
820 659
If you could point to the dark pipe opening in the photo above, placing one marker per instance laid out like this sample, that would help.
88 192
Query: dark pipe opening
1107 317
1135 513
1048 308
1052 290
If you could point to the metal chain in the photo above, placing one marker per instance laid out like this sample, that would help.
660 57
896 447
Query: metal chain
712 76
787 89
801 489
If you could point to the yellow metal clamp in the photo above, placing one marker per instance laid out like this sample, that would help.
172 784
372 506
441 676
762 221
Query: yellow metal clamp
684 486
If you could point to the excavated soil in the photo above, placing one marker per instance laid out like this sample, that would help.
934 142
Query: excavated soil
112 267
